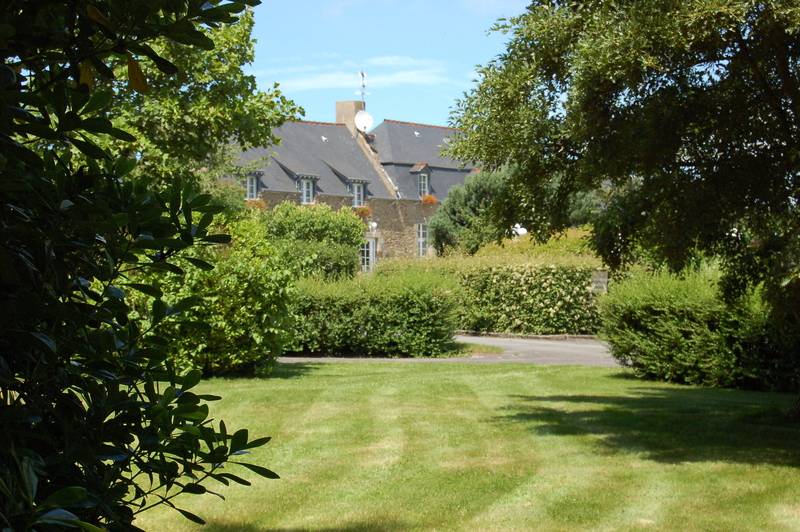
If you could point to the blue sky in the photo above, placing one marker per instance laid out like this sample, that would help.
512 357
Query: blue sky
419 56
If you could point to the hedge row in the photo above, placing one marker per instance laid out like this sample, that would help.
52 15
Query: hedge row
679 329
408 315
528 299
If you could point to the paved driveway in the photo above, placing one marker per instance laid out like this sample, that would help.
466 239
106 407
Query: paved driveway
517 350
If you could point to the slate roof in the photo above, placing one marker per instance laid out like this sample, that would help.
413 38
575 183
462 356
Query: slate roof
406 148
411 143
323 150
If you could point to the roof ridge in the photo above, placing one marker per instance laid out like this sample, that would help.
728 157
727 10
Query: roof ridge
318 123
418 124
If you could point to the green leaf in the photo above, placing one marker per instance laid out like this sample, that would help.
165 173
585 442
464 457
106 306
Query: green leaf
150 290
263 471
193 38
71 496
217 239
258 442
45 341
203 265
121 135
191 379
89 149
195 489
59 516
98 101
158 310
239 440
190 516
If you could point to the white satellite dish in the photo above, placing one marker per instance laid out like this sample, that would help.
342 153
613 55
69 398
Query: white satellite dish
364 121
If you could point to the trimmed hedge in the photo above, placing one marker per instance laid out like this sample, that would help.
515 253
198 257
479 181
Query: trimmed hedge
409 315
679 329
528 299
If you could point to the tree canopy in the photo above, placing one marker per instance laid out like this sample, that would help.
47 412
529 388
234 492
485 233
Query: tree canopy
98 425
687 110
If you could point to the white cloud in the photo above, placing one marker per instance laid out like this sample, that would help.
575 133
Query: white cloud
382 72
400 61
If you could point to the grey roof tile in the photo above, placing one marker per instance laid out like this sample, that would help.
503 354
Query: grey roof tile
410 143
324 150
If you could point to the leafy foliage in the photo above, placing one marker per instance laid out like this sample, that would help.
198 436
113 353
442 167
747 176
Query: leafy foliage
463 222
315 240
194 123
98 425
315 223
243 322
689 111
409 315
679 329
528 299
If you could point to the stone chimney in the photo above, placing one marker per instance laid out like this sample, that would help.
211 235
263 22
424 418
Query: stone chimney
346 113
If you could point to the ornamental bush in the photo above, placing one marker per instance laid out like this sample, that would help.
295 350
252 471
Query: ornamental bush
528 299
406 315
679 329
315 240
315 223
244 320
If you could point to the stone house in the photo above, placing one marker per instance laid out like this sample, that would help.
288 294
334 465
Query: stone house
395 176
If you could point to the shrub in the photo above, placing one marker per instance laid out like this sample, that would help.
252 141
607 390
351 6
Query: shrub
315 240
462 222
330 261
315 223
528 299
680 330
408 315
243 322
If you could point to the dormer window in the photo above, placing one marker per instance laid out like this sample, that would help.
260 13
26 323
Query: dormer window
358 194
423 186
251 188
306 191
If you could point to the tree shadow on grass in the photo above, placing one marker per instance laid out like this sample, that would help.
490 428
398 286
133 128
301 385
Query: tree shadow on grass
671 425
372 525
292 370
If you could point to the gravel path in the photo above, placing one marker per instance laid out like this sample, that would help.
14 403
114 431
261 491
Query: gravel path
579 352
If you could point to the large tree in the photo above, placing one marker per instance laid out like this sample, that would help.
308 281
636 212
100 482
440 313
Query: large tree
186 122
687 110
97 423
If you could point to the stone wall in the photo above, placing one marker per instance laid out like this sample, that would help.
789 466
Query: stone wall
396 219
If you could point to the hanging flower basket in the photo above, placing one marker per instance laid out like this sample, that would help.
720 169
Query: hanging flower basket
429 199
363 212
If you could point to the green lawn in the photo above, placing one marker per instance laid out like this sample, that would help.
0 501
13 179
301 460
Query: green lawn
458 446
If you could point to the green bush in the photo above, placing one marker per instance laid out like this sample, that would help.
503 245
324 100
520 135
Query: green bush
409 315
315 240
325 260
463 221
315 223
243 322
678 329
528 299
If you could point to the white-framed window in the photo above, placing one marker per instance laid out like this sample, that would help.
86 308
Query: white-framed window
367 254
422 240
306 191
422 184
358 194
251 188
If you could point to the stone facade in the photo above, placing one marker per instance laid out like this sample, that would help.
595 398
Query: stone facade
393 223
